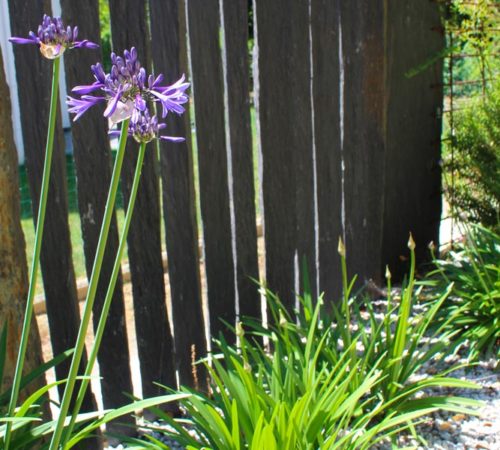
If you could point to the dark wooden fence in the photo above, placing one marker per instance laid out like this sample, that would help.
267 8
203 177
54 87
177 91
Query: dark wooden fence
349 146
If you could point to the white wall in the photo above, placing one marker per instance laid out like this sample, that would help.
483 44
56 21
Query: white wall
8 61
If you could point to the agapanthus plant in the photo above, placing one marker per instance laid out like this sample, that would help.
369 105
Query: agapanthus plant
126 88
127 95
54 38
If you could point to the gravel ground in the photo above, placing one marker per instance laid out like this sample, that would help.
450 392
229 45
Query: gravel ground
450 431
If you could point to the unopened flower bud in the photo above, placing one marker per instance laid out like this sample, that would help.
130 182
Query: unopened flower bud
341 248
239 330
411 243
283 320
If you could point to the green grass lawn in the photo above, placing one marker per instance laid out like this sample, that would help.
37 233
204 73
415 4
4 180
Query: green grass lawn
76 243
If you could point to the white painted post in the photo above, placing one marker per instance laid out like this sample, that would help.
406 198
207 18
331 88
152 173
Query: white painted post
10 72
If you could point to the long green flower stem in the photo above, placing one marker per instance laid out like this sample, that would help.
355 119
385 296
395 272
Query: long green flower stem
401 335
346 292
109 294
28 315
94 280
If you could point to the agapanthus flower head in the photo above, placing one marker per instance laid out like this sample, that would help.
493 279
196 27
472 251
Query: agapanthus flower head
144 128
54 38
128 88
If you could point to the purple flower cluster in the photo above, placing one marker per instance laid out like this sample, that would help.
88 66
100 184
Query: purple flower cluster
54 38
126 89
144 128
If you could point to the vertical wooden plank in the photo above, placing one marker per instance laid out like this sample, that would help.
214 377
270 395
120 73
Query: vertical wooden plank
34 75
154 339
413 174
284 107
325 17
179 199
363 41
235 14
92 155
204 34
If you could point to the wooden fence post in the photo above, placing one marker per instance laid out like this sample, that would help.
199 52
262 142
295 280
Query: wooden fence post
206 63
92 155
284 111
364 59
170 58
34 80
240 155
413 173
154 339
328 120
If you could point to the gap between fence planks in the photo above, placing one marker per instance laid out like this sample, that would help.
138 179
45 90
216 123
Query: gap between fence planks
82 283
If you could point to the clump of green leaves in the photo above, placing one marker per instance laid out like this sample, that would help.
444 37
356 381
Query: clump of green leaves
25 423
473 157
472 312
402 343
29 425
323 382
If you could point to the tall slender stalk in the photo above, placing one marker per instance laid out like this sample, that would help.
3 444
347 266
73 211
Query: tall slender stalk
401 335
346 309
42 206
94 280
109 294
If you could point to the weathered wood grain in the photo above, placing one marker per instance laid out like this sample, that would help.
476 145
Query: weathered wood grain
207 76
364 58
240 155
176 165
413 173
325 18
284 110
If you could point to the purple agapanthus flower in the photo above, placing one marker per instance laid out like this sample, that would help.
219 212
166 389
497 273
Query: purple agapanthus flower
54 38
127 88
144 127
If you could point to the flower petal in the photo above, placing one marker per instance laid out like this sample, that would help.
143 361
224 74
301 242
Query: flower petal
19 40
80 106
87 89
114 133
172 138
113 103
85 44
140 103
168 104
121 112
